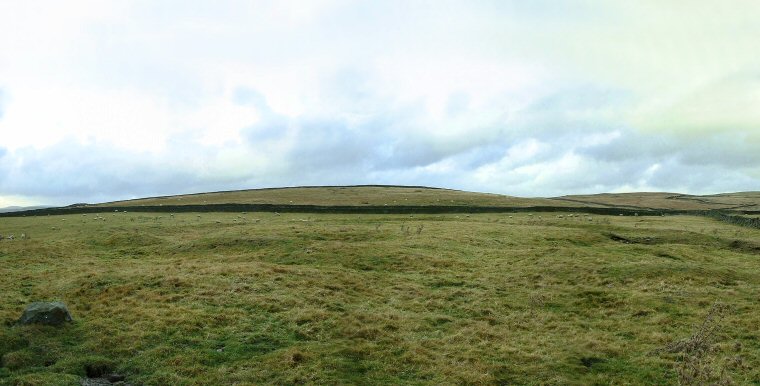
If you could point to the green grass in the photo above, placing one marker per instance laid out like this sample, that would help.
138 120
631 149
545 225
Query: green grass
259 298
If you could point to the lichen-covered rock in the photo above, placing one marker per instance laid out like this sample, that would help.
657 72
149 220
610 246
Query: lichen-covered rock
48 313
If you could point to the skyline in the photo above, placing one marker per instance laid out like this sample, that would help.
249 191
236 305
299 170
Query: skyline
101 101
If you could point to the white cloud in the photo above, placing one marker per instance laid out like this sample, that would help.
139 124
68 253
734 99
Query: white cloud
529 98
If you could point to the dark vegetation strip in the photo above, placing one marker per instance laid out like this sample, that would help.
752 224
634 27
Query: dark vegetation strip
734 219
374 209
340 209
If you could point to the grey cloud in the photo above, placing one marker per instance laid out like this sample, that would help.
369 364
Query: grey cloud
370 134
251 97
379 141
724 149
564 123
580 108
72 172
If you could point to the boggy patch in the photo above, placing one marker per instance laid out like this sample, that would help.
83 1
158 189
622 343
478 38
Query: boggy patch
240 243
589 362
666 255
128 239
632 240
596 298
745 247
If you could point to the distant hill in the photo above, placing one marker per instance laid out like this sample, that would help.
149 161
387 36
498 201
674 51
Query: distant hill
366 195
415 199
749 201
385 195
9 209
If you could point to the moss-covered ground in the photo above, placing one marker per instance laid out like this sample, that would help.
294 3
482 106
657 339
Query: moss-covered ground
260 298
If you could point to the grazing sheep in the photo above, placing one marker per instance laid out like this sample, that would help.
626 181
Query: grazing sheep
10 237
23 236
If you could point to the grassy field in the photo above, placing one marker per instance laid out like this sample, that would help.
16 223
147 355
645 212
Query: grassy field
259 298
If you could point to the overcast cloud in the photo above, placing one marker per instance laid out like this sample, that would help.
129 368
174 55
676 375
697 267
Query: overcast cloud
110 100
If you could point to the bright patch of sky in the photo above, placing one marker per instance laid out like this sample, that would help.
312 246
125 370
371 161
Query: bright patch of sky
105 100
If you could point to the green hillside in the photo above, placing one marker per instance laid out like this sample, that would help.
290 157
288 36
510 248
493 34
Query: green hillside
344 195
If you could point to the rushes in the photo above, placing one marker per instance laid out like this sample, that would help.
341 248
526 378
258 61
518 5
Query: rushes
698 361
406 230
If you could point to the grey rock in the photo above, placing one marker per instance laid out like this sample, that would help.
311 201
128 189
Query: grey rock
48 313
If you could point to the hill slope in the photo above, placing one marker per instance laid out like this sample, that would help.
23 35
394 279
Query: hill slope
372 195
724 201
383 195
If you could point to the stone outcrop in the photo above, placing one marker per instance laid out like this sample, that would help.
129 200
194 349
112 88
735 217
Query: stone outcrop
47 313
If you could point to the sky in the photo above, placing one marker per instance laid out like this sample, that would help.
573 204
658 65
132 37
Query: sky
106 100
